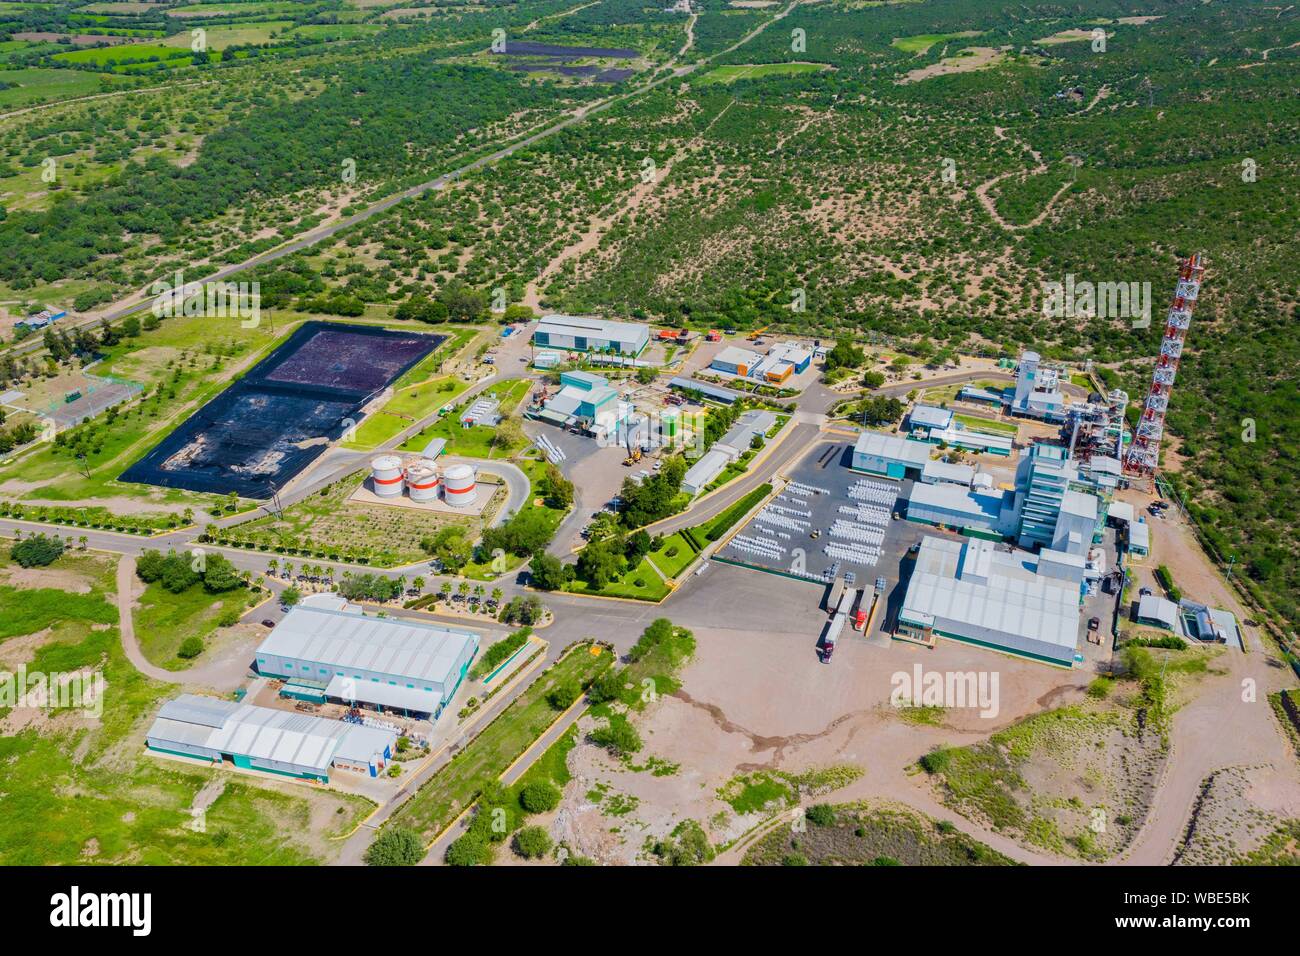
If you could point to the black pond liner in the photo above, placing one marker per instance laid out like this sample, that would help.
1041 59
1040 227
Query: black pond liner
530 48
258 434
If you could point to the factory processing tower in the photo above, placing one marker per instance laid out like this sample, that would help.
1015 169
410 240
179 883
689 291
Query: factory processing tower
1144 452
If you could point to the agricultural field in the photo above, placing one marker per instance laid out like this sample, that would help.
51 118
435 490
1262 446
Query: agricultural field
27 87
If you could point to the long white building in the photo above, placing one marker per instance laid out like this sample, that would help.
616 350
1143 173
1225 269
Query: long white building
1009 600
261 738
408 667
578 334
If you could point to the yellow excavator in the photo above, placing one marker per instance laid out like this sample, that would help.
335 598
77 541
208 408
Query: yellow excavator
633 458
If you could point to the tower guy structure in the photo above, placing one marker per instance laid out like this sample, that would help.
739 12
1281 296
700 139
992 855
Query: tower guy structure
1144 452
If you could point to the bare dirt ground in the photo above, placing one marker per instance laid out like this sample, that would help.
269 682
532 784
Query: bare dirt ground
968 60
755 701
1237 810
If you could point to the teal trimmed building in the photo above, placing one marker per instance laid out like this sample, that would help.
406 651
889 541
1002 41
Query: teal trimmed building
384 664
281 742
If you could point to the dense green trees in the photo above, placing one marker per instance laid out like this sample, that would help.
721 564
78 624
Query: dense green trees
395 846
179 572
36 551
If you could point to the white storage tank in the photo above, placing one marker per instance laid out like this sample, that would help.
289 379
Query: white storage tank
458 486
422 480
386 473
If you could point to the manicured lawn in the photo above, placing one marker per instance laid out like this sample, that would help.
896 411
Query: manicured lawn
650 588
702 534
534 469
164 620
672 565
473 442
988 426
487 756
377 429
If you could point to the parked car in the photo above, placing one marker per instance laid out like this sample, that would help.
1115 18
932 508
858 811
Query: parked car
268 623
1143 592
1094 623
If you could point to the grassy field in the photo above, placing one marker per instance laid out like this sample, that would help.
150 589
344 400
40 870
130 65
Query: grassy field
28 87
473 442
185 362
102 55
407 406
674 555
336 31
988 426
756 71
922 42
486 757
81 790
218 38
199 10
641 583
164 620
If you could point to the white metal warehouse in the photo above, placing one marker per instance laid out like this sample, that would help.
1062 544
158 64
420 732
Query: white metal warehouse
273 741
578 334
1008 600
385 663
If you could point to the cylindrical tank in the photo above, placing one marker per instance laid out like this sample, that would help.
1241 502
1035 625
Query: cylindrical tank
458 486
386 473
422 480
668 419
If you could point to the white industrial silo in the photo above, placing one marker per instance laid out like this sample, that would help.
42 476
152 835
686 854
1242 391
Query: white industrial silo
386 473
422 480
458 486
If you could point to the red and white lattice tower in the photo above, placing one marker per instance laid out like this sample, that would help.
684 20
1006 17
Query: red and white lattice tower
1144 451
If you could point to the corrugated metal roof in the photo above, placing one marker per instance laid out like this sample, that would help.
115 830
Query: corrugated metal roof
706 469
963 474
931 416
370 692
1015 604
262 733
593 327
894 447
344 639
193 709
735 355
1152 607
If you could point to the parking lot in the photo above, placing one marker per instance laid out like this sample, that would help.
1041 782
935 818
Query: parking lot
829 520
